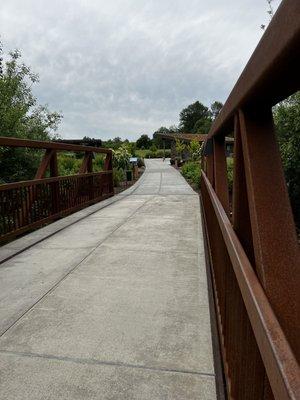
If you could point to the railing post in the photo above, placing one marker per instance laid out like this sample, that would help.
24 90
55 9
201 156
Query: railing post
275 244
87 167
55 185
87 163
108 166
243 354
220 171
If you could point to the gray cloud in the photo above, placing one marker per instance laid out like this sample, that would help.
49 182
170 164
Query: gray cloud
126 67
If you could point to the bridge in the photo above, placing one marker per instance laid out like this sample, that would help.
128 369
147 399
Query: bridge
114 302
159 293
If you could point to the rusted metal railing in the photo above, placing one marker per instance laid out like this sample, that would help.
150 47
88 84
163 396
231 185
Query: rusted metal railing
30 204
252 246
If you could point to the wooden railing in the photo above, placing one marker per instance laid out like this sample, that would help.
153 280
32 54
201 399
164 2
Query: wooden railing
252 243
29 204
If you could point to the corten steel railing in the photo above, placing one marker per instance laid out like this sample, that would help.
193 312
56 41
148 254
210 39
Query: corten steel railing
253 249
30 204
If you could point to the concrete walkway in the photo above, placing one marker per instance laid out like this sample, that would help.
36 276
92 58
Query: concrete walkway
113 306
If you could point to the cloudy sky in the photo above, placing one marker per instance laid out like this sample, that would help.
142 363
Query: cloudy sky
127 67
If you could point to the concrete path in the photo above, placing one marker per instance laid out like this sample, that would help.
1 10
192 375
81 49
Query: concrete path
113 306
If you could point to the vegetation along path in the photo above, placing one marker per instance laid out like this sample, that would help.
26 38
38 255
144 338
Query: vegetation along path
113 306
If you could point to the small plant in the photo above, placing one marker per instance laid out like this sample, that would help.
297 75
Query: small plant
195 150
180 146
191 170
270 11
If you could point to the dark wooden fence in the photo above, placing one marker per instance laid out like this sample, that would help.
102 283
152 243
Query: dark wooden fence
253 249
29 204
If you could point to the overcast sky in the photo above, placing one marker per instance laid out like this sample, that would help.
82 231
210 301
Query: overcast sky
127 67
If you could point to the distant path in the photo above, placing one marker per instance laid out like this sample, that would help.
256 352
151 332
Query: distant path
115 305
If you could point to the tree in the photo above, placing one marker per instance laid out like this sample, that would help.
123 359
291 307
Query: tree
157 140
202 126
191 114
143 142
22 117
287 123
216 108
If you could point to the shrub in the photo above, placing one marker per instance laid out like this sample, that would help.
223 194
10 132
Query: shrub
230 173
159 153
149 154
98 163
191 170
121 157
118 176
140 162
68 164
195 150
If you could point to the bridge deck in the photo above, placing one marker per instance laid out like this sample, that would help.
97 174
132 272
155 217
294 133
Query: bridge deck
113 306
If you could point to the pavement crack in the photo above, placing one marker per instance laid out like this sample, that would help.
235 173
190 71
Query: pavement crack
93 361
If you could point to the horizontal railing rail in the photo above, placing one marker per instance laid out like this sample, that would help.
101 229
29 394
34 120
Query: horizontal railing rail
29 204
252 243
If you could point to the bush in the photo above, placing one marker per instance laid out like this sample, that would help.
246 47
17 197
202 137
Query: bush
191 170
68 164
158 153
230 173
149 154
121 157
140 163
98 163
118 176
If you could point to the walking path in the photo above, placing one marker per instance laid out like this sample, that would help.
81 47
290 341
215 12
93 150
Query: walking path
113 305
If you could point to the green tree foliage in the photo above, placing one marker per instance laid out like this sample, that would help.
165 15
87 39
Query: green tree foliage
157 140
197 118
113 143
22 117
215 109
143 142
287 122
191 114
202 126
